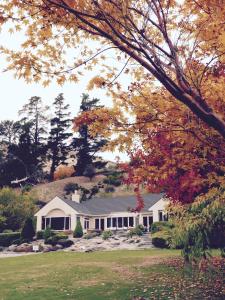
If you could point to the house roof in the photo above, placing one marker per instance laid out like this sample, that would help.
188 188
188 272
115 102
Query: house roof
101 206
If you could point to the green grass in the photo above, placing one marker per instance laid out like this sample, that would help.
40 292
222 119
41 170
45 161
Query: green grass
154 274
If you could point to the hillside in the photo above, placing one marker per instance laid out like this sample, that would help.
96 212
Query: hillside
47 191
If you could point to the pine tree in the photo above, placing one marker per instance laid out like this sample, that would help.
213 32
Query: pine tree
34 114
58 139
84 144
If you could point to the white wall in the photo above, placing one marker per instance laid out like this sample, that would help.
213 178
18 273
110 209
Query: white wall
56 206
160 205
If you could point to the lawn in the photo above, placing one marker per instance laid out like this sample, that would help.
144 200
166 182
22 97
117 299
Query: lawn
153 274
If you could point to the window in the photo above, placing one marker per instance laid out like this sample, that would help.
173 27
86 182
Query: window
86 223
114 222
120 222
67 223
160 215
165 217
78 218
125 222
43 223
131 221
96 223
145 221
109 220
47 222
57 223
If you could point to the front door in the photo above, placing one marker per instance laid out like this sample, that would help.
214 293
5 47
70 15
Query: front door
102 224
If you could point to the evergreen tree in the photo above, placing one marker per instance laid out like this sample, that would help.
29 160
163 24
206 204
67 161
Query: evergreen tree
36 119
58 139
28 231
84 144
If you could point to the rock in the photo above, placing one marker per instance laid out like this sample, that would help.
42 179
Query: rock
1 248
137 241
12 248
115 244
59 247
24 248
99 242
130 241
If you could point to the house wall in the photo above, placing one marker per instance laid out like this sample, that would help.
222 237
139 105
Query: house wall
158 206
58 208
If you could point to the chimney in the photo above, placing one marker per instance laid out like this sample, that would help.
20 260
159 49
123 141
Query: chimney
76 197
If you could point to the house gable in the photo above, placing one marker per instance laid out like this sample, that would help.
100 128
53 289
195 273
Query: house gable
56 204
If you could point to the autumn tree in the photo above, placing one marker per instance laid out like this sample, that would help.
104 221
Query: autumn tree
58 144
85 145
175 42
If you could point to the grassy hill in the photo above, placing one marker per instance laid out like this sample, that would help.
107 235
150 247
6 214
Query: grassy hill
47 191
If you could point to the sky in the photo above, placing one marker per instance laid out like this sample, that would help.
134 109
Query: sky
16 92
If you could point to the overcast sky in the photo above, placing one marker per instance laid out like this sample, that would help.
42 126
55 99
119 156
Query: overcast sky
15 93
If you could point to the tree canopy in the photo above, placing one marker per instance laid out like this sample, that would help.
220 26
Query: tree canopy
179 43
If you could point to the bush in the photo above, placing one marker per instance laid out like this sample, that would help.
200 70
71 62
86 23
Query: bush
47 234
138 230
78 232
106 234
70 187
91 235
40 235
161 225
109 189
7 239
28 231
161 239
53 240
65 243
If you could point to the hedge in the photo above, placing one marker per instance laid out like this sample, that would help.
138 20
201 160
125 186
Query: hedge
161 225
7 239
161 239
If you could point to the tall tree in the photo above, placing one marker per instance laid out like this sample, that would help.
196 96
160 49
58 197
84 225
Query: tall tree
85 145
175 42
58 138
36 119
9 131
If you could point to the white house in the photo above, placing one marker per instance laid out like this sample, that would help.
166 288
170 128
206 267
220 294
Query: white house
101 213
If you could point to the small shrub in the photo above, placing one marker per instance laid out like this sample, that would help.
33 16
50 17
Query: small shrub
161 239
161 225
91 235
109 189
65 243
53 240
78 232
70 188
47 233
28 231
138 230
7 239
106 234
40 235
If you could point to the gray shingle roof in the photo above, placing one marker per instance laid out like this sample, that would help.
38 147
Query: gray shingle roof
101 206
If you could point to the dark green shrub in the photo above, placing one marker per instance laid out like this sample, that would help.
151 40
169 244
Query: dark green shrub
47 233
106 234
161 225
40 235
109 189
78 232
65 243
53 240
28 231
7 239
161 239
70 187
